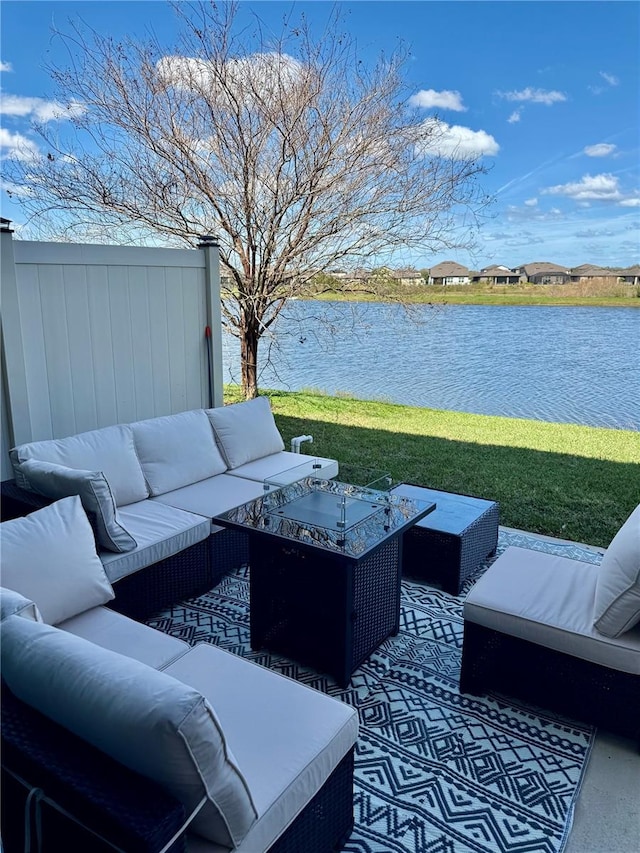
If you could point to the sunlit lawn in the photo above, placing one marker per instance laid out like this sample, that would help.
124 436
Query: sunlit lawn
574 482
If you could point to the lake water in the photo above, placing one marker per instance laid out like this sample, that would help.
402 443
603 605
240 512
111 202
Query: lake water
564 364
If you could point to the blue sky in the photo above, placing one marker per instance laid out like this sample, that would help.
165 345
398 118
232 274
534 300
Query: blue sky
549 92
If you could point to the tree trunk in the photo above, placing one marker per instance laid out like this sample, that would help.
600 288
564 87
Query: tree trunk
249 338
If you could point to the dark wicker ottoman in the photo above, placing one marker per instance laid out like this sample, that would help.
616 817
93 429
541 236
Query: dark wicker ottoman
449 544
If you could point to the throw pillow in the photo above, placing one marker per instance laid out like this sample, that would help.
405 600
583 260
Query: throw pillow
12 603
50 557
144 718
57 481
617 604
246 431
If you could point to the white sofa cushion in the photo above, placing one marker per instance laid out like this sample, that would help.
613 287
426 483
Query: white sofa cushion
145 719
548 600
286 467
14 604
58 481
213 496
287 743
176 450
119 633
245 431
50 557
159 531
110 450
617 605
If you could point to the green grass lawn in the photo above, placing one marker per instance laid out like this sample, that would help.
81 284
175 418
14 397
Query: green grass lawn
574 482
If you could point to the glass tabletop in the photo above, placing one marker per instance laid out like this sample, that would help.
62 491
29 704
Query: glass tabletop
330 514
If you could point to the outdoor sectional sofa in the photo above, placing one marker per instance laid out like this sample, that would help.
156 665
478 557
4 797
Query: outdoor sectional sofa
152 488
560 633
115 734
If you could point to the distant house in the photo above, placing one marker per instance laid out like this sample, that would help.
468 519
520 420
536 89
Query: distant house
449 272
631 275
543 272
496 274
407 276
587 272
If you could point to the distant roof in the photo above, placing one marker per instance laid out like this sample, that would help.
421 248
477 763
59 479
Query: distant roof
542 266
592 270
497 269
448 268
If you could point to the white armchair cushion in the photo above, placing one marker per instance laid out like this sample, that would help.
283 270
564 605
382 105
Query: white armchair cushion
50 557
246 431
58 481
14 604
617 604
110 450
145 719
176 450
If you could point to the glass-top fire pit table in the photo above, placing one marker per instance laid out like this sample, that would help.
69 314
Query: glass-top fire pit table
325 568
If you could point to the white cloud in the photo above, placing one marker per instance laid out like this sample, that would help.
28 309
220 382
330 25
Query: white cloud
457 142
447 100
15 146
515 116
535 96
39 109
5 66
531 202
266 74
602 187
599 150
630 202
611 79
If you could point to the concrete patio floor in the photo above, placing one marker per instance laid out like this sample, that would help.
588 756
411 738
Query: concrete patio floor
607 815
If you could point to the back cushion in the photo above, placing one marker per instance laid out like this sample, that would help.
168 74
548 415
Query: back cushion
617 604
246 431
50 558
177 450
145 719
110 450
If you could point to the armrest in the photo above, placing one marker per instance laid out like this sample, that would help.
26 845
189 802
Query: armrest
55 785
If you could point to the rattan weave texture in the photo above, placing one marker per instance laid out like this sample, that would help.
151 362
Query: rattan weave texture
496 662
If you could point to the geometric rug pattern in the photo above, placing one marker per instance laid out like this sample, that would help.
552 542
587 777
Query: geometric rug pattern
435 771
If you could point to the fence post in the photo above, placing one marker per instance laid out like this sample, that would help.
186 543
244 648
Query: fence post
210 247
15 397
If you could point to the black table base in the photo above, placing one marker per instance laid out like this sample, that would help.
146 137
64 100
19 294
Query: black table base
326 611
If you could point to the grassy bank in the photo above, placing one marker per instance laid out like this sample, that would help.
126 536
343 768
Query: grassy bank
587 294
574 482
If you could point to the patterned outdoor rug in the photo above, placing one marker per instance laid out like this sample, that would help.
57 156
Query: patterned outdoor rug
436 771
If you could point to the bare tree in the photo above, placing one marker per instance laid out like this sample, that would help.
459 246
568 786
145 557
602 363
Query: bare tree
288 148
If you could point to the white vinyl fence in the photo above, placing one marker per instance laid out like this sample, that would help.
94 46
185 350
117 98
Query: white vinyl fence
96 335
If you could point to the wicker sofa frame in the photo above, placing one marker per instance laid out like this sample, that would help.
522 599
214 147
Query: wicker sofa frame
598 695
91 802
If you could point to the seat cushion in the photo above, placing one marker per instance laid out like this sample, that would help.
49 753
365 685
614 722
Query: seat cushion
287 743
114 631
58 481
617 604
176 450
285 466
145 719
50 557
210 497
245 431
548 600
109 450
160 532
